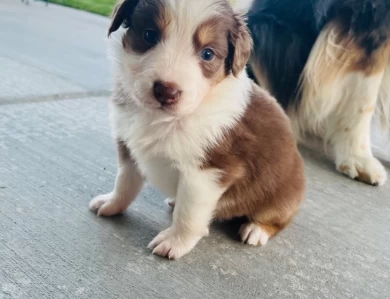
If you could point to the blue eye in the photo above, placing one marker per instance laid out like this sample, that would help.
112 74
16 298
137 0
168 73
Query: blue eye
207 54
152 37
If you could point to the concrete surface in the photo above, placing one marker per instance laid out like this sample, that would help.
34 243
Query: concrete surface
61 50
56 154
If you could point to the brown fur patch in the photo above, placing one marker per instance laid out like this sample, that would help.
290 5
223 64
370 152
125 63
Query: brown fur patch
123 152
272 230
337 53
213 34
261 166
152 15
242 43
124 155
367 110
364 177
227 35
344 168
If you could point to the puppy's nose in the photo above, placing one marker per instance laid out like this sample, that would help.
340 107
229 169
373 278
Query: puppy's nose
166 93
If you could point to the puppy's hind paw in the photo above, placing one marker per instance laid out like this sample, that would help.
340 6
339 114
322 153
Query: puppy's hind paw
253 234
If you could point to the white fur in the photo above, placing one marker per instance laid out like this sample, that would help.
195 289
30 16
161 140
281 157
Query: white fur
172 60
127 186
197 196
170 150
241 6
342 112
383 107
170 202
349 129
253 234
168 146
339 109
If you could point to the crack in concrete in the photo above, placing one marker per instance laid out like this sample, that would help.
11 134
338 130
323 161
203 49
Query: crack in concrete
53 97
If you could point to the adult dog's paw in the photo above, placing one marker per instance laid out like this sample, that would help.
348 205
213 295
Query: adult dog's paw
368 170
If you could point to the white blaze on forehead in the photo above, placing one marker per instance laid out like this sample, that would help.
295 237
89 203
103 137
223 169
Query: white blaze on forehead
188 15
241 6
174 59
185 17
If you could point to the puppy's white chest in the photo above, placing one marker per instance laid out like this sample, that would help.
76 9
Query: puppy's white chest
161 174
147 149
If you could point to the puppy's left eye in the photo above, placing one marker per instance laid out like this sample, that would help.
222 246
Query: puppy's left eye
152 37
207 54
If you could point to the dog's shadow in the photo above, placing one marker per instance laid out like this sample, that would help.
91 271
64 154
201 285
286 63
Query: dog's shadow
229 228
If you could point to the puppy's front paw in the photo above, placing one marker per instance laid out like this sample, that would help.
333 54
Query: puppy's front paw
172 245
368 170
106 205
253 234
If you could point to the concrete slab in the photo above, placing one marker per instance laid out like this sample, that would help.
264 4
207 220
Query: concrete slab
62 42
380 141
18 81
55 156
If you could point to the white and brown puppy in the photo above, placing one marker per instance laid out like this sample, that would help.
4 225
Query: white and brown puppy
188 119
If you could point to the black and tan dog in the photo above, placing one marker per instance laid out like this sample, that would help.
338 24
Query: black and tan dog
328 64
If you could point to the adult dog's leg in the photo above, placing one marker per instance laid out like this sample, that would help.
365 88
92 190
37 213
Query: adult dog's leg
383 107
340 90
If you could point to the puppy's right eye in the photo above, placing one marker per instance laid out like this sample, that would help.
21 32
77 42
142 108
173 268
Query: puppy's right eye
152 37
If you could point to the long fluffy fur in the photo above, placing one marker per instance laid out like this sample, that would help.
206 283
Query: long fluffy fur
327 63
285 31
383 106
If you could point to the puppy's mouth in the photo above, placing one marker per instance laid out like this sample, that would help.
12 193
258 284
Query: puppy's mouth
170 105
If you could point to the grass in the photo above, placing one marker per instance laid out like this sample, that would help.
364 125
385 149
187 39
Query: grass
101 7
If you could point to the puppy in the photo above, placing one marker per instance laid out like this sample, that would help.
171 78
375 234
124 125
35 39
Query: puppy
328 64
187 118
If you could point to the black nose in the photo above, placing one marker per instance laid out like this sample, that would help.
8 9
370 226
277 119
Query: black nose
166 93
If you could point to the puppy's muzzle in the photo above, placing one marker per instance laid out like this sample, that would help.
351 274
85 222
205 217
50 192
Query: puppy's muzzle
166 93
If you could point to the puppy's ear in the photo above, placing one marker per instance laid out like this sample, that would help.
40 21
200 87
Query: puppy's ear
240 45
122 11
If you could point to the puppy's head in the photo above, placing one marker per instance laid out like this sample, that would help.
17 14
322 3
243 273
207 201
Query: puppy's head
176 51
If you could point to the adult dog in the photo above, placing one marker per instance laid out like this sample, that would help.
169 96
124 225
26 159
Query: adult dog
328 64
